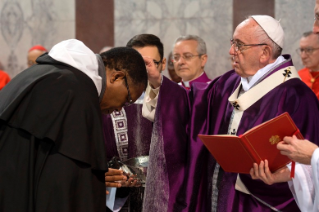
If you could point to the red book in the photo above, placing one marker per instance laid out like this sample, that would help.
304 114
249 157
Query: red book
238 153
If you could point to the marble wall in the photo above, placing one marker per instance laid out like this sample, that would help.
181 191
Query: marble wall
210 19
24 23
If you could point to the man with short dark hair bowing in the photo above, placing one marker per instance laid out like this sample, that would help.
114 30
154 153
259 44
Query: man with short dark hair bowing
128 133
52 151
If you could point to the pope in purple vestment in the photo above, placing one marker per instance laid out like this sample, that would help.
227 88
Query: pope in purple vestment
291 96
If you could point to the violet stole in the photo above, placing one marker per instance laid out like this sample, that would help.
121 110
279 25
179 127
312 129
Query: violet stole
168 150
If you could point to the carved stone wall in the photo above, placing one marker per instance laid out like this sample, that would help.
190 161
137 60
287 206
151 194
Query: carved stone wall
24 23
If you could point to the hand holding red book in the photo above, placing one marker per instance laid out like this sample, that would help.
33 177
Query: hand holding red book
239 153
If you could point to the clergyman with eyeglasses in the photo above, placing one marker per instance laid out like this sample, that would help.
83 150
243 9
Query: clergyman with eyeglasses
189 58
305 184
309 54
264 84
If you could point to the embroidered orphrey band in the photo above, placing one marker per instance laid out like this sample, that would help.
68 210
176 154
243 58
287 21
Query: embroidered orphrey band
120 131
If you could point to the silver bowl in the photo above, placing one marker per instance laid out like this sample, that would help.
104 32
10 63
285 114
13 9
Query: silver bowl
133 167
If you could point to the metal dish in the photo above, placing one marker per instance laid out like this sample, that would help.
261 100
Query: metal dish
133 167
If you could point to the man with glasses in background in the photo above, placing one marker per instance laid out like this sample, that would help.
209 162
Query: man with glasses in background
309 54
189 58
128 133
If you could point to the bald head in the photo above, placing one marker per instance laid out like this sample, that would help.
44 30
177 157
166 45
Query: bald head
34 52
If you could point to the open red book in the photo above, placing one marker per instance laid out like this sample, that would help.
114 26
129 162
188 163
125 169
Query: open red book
238 153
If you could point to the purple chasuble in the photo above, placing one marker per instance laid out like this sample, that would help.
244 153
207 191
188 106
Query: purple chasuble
202 78
168 156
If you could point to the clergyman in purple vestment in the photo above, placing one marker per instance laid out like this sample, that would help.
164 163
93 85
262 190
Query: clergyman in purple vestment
290 96
305 184
168 160
189 59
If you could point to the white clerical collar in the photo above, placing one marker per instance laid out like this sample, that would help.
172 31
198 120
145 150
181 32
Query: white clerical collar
140 99
187 83
249 82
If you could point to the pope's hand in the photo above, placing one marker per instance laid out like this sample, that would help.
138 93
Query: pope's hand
262 172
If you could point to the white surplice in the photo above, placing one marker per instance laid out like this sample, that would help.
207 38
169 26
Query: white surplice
305 185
